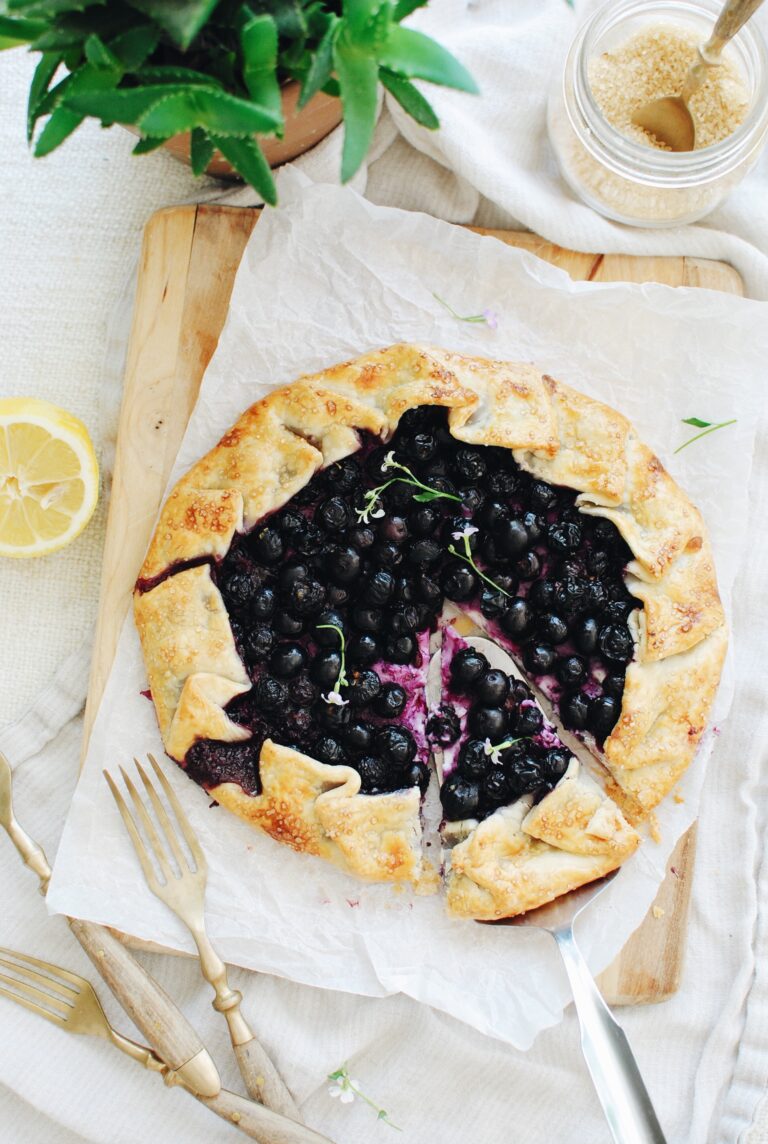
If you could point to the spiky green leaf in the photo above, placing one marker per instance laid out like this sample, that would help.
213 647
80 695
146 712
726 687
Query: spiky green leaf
358 79
410 99
321 66
404 8
181 19
258 43
200 151
18 31
98 54
247 158
215 111
135 45
415 56
38 89
146 146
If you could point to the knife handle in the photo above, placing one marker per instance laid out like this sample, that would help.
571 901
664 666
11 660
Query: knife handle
150 1008
260 1123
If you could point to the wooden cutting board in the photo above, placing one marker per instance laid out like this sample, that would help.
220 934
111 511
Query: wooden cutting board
188 261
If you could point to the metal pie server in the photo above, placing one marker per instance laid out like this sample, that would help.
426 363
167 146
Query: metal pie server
618 1083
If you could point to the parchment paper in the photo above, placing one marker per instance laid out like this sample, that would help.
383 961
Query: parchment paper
326 277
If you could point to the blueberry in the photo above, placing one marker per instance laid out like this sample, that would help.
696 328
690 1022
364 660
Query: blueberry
596 595
308 541
390 702
325 668
474 762
469 465
511 537
259 641
290 523
458 581
520 690
563 536
403 620
605 533
539 658
333 514
423 520
429 590
492 688
239 589
398 498
557 760
517 620
364 686
460 798
374 462
534 525
343 476
529 775
492 602
444 726
396 746
358 738
584 634
322 631
617 611
487 723
613 684
363 649
286 624
298 729
574 711
597 561
416 774
287 660
367 619
332 716
270 693
552 628
493 513
378 588
386 553
603 715
542 496
361 537
423 551
529 721
528 566
400 649
305 597
571 670
343 564
329 750
495 787
303 691
263 603
616 643
373 773
541 595
472 498
393 529
501 483
266 544
421 447
467 667
336 595
443 485
291 572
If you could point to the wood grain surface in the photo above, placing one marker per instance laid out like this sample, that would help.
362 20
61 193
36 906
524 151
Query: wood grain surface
188 262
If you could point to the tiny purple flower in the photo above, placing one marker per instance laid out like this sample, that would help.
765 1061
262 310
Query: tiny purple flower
491 319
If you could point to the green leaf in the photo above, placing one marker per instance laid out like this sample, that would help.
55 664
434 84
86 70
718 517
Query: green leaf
59 40
61 124
247 158
134 46
181 19
127 105
64 119
697 422
38 89
404 8
367 20
214 110
289 18
98 54
200 151
170 73
358 78
414 55
424 497
16 31
145 146
410 99
321 66
258 41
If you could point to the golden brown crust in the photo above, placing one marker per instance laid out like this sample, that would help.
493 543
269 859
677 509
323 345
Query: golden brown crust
554 432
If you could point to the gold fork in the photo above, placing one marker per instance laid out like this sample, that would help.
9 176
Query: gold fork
71 1003
182 889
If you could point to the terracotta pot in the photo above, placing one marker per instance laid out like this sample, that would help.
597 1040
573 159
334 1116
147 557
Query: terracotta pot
303 129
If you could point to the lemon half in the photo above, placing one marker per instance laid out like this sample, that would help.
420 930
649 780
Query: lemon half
49 477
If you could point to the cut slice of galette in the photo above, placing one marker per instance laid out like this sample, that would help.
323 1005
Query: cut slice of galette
298 571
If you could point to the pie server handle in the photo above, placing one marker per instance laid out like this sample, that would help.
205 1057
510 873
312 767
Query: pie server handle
611 1063
259 1122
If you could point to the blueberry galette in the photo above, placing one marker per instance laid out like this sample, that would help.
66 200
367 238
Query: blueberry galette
301 573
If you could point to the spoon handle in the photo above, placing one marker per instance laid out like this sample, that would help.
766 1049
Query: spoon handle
613 1068
733 17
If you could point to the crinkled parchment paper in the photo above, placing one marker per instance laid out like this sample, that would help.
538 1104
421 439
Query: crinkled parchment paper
326 277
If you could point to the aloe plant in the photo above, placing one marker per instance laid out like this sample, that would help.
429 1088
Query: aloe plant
214 68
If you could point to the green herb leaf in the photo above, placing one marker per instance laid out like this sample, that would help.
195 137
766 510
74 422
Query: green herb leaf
203 107
321 66
258 41
710 428
200 151
697 422
247 158
181 19
44 73
423 498
414 55
358 78
410 99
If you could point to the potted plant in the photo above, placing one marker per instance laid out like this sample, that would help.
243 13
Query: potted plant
219 78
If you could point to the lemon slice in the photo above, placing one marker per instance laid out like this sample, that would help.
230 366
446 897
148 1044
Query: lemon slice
49 477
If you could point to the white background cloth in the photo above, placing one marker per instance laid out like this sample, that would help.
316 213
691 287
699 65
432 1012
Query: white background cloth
68 236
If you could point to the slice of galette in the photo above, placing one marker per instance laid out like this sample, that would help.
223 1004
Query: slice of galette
523 820
299 570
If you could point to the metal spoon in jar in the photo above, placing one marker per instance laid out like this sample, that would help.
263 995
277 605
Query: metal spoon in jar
669 119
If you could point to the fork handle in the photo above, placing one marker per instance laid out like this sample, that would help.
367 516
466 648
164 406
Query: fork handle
261 1078
260 1123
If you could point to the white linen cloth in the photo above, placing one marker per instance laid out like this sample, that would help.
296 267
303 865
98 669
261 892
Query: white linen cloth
69 227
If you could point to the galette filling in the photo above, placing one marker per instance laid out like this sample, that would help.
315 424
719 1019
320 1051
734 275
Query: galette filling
332 600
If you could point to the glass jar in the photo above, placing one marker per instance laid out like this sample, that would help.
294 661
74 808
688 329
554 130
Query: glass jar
637 184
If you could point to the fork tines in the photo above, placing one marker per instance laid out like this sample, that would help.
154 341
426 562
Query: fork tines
50 997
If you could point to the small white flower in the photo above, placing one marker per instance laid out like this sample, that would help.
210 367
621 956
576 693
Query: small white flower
491 319
494 752
342 1091
335 699
467 530
379 512
389 461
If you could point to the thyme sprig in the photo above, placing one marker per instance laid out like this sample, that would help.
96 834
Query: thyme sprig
334 695
345 1088
468 558
372 497
494 750
706 427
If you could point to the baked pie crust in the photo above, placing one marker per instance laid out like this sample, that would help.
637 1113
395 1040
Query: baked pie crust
520 855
